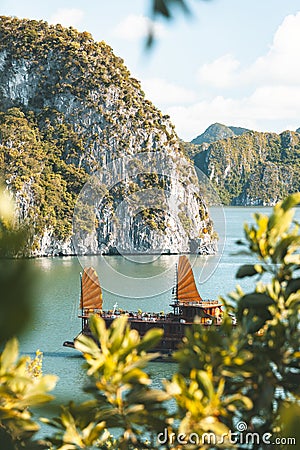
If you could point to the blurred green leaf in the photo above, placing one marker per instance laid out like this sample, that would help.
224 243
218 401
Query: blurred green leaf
150 340
19 391
292 286
248 270
9 355
255 300
291 201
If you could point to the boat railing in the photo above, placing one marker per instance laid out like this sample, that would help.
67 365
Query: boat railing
143 317
146 316
86 312
205 303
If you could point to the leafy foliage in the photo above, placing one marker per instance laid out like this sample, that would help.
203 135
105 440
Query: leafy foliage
22 384
20 390
166 9
123 398
268 317
249 372
15 276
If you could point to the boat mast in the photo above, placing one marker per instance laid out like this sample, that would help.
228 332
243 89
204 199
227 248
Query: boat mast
175 285
81 303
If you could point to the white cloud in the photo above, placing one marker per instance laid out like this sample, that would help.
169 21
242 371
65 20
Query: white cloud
220 73
135 27
271 101
281 65
270 108
275 102
162 92
67 17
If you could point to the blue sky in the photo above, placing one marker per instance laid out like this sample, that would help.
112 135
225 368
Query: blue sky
236 62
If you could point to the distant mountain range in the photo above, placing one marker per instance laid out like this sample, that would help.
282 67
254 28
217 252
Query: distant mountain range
248 167
218 131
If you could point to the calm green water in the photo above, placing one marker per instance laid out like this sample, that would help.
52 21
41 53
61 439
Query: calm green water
57 298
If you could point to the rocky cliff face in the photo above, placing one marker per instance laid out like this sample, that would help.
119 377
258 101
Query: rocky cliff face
254 168
69 110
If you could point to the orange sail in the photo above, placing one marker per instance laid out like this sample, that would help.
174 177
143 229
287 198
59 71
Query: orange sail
91 292
186 287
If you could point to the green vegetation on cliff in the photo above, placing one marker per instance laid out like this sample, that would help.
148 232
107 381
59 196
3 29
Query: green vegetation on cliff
44 184
69 108
254 168
218 131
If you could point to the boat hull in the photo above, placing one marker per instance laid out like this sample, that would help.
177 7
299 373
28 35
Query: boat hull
174 331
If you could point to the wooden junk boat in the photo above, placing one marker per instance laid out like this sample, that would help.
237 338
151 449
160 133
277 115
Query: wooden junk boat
187 304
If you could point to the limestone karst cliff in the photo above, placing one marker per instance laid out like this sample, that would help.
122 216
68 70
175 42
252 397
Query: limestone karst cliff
254 168
70 109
